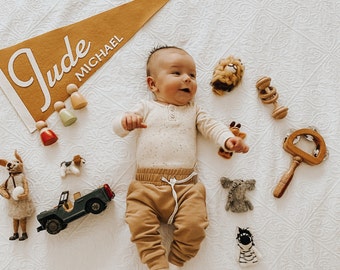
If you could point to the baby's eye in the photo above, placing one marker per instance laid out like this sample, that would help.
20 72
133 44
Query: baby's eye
192 75
176 73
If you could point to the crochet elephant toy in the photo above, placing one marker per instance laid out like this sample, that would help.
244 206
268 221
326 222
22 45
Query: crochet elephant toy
237 201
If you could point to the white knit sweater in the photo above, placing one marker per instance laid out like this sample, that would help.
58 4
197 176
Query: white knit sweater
169 141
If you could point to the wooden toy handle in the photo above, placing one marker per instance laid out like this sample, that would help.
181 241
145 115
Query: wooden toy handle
287 177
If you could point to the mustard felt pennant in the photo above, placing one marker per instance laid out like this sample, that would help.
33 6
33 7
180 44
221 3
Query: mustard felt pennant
34 73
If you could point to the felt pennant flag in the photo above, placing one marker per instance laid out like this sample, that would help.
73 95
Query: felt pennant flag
34 73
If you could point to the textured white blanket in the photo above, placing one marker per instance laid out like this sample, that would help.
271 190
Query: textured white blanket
295 43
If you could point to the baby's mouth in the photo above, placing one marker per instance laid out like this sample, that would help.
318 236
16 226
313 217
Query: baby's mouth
186 90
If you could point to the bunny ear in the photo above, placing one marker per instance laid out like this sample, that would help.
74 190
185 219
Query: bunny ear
17 156
3 162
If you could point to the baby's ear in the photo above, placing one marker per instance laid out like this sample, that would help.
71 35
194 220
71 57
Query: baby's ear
151 83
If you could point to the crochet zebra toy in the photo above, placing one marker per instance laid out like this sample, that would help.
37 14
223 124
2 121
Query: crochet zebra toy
248 254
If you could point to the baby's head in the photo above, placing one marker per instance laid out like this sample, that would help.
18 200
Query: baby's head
171 75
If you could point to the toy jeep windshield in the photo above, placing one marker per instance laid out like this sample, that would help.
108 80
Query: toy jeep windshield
56 219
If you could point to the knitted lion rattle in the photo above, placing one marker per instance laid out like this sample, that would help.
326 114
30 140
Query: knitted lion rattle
227 75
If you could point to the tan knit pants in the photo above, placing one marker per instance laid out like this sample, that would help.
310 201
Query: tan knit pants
151 201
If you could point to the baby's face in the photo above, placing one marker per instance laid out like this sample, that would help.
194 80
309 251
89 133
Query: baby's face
173 77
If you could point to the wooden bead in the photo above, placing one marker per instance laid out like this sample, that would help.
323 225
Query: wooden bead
59 105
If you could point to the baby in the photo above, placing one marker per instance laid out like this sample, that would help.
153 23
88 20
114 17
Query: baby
165 188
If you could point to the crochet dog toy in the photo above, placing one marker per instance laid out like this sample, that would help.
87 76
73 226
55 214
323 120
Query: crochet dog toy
237 201
235 129
15 190
248 254
227 75
71 167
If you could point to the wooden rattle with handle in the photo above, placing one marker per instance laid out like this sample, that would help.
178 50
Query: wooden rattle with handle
287 177
299 156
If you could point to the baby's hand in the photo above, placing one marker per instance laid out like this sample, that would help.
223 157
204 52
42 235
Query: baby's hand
131 121
237 145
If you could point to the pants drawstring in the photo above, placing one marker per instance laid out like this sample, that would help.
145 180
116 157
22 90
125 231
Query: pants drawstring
172 182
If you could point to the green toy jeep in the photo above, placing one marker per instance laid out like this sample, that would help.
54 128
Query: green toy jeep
56 219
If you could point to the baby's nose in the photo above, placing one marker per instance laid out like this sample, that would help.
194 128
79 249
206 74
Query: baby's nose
187 78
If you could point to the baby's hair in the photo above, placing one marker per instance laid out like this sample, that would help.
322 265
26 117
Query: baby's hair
153 51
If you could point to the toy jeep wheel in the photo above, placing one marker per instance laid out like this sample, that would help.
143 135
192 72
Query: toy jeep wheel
53 226
95 206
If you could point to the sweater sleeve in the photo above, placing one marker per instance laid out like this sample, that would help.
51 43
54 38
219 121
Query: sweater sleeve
118 128
212 129
117 121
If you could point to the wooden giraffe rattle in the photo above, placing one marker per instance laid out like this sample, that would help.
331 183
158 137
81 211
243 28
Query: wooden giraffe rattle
289 145
235 129
268 94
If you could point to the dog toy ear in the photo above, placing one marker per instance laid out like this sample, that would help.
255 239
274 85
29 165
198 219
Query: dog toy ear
17 156
226 182
3 162
77 158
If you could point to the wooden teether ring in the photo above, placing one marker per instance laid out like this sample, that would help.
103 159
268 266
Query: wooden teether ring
300 156
268 95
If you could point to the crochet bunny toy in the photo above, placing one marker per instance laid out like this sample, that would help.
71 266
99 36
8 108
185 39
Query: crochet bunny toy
15 189
235 129
237 201
227 75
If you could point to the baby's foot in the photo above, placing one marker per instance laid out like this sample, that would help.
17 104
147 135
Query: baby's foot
173 267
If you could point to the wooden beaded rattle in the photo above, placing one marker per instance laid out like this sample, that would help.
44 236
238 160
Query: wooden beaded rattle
319 154
268 94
